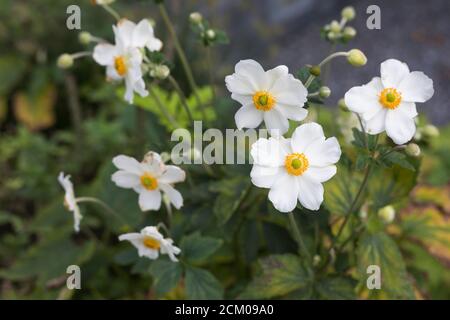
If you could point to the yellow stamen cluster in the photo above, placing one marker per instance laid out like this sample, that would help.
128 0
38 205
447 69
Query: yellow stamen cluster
152 243
263 100
149 182
119 64
390 98
296 163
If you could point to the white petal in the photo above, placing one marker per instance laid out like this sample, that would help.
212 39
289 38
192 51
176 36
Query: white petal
284 193
323 153
296 113
130 236
276 122
142 33
320 174
128 164
243 99
125 179
154 44
174 195
111 74
399 126
268 152
305 135
376 124
104 54
149 200
239 84
248 117
172 174
253 72
275 73
416 87
310 193
392 72
408 108
124 33
76 218
364 99
289 90
264 177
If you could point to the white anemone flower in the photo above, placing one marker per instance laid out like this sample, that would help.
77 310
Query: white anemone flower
70 201
294 169
149 178
273 96
388 103
123 60
150 243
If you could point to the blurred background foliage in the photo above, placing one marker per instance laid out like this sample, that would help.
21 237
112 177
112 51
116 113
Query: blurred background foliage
236 245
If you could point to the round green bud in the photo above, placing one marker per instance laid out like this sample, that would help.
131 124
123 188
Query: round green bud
335 26
160 71
65 61
430 131
324 92
348 13
195 17
412 150
349 33
316 260
84 37
342 105
211 34
356 58
387 214
333 35
315 71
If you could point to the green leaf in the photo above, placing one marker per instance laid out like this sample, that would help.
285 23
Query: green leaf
202 285
359 138
397 158
380 250
166 275
197 248
232 191
336 288
12 68
303 74
279 276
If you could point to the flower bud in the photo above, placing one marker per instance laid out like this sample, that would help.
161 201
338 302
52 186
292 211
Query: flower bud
316 260
324 92
412 150
160 71
356 58
84 37
333 35
430 131
387 214
315 71
335 26
65 61
211 34
342 105
349 33
151 22
195 17
348 13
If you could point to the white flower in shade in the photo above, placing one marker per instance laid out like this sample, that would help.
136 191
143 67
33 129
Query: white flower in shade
150 243
70 201
388 103
123 60
273 96
149 178
294 169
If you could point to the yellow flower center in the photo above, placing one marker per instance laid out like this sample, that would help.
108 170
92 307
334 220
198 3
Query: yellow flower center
151 243
263 100
149 182
390 98
119 64
296 163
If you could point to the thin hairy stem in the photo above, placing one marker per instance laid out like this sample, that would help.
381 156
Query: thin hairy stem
298 237
180 93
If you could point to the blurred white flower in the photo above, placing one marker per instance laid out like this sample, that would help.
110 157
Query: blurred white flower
101 2
70 201
347 121
273 96
294 169
123 59
150 243
388 103
149 178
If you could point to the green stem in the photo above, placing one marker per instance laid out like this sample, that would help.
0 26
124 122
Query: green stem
298 237
323 62
180 52
180 93
103 205
211 74
111 11
161 107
